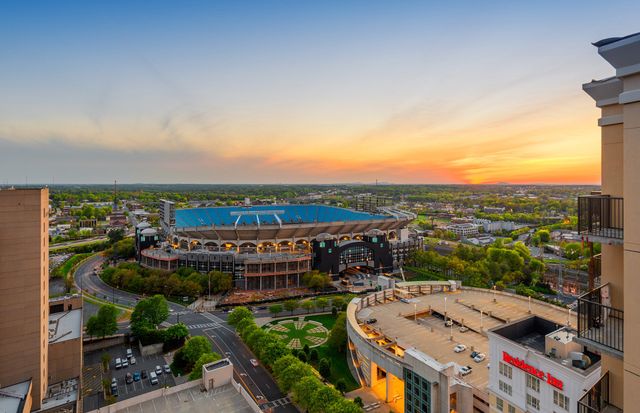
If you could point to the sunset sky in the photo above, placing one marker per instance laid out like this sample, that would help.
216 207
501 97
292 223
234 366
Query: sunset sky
303 92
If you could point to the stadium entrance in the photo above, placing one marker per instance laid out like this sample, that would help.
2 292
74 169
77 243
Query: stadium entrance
335 257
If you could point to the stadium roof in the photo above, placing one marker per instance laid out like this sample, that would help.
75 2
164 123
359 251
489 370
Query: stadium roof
269 215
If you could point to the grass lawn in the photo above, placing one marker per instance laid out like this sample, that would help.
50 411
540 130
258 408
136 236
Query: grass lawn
339 366
63 270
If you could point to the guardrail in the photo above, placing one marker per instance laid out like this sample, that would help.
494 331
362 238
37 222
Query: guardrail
601 216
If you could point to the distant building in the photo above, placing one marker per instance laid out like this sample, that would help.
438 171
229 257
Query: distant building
494 210
495 226
463 230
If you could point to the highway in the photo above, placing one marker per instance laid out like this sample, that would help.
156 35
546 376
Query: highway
257 380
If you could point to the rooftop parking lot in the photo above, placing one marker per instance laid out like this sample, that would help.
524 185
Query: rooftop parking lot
419 322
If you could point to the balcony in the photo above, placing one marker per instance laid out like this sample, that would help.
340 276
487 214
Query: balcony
596 400
600 326
601 217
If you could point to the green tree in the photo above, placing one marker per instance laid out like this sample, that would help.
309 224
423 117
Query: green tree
104 323
324 368
337 302
338 334
106 359
341 385
149 313
275 309
313 355
176 332
322 398
220 281
307 305
544 235
115 235
304 389
238 314
322 303
196 372
291 305
572 251
293 374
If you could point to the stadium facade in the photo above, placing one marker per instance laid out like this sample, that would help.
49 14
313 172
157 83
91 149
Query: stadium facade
272 246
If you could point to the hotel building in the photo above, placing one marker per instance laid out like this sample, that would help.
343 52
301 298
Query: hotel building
609 314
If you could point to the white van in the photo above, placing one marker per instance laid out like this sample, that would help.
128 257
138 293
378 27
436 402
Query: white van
118 363
153 377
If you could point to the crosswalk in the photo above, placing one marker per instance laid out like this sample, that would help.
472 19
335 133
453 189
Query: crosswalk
205 325
278 402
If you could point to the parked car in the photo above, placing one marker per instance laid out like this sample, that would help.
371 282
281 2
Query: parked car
473 354
254 362
153 378
370 321
479 357
114 382
404 300
143 374
464 329
167 369
114 390
118 363
158 370
459 348
132 361
136 376
448 323
128 378
465 370
129 353
125 363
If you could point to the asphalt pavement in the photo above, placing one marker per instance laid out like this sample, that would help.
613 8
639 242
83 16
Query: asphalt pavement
258 382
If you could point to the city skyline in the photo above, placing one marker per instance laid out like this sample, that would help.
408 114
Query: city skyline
292 93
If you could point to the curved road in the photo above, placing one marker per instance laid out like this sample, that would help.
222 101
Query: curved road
226 342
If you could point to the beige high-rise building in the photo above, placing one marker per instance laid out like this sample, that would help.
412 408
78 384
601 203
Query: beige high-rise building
609 315
24 289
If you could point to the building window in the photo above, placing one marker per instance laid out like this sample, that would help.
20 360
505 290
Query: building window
417 394
533 402
511 409
560 400
504 387
533 383
506 370
499 404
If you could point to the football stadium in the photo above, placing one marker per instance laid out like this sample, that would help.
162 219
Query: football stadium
272 246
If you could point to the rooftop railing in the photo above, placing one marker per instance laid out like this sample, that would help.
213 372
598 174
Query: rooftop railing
596 400
599 322
601 216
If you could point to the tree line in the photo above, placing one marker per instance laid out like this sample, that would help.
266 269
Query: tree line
292 374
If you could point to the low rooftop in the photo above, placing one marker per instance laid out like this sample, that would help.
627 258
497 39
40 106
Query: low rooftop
12 398
60 394
65 326
222 399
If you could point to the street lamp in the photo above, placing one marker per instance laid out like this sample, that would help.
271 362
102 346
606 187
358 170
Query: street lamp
209 285
445 309
494 293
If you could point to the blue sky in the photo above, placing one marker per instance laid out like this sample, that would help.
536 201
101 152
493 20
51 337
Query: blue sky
284 91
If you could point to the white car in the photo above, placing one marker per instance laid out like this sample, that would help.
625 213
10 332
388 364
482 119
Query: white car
465 370
459 348
254 362
132 360
448 323
480 357
464 329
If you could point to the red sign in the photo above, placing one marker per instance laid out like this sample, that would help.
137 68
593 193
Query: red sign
522 365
